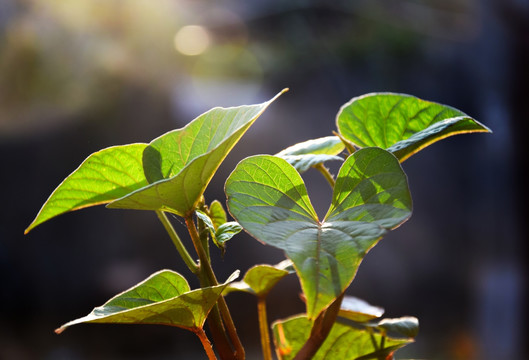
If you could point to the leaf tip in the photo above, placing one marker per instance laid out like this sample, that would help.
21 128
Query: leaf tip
59 331
279 94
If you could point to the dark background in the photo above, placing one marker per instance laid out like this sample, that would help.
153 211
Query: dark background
78 76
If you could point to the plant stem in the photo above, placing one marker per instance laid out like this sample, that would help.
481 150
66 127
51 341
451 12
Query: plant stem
219 334
263 327
191 264
320 330
348 145
328 176
205 343
208 276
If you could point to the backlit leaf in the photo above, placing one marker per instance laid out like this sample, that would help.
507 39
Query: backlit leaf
343 342
268 198
402 124
407 326
217 213
164 299
181 163
358 310
312 152
103 177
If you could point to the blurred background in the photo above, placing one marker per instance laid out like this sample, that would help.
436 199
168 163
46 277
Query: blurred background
78 76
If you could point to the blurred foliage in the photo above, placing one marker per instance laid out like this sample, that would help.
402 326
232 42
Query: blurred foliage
61 58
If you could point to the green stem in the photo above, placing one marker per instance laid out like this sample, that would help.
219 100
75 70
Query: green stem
205 343
320 330
211 280
191 264
328 176
263 328
348 145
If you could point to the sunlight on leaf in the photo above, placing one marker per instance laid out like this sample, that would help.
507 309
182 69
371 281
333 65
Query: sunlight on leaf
267 196
313 152
181 163
402 124
259 279
343 342
103 177
164 299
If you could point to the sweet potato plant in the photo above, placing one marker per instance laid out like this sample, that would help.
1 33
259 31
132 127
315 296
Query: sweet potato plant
267 198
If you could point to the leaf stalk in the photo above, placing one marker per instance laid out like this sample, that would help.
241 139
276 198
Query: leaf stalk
320 330
191 264
205 343
263 327
326 174
208 276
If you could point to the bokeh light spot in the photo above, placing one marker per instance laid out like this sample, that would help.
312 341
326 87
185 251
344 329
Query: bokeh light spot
192 40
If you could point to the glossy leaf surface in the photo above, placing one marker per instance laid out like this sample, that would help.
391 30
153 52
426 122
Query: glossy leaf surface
407 326
164 299
358 310
103 177
343 342
402 124
181 163
267 196
312 152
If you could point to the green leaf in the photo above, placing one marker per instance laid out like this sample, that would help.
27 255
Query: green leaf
103 177
224 233
304 162
181 163
260 279
227 230
358 310
343 342
407 326
402 124
217 214
164 299
328 145
312 152
268 198
209 225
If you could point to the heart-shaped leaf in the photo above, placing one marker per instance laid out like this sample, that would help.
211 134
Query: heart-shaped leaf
312 152
402 124
343 342
103 177
164 299
181 163
267 196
